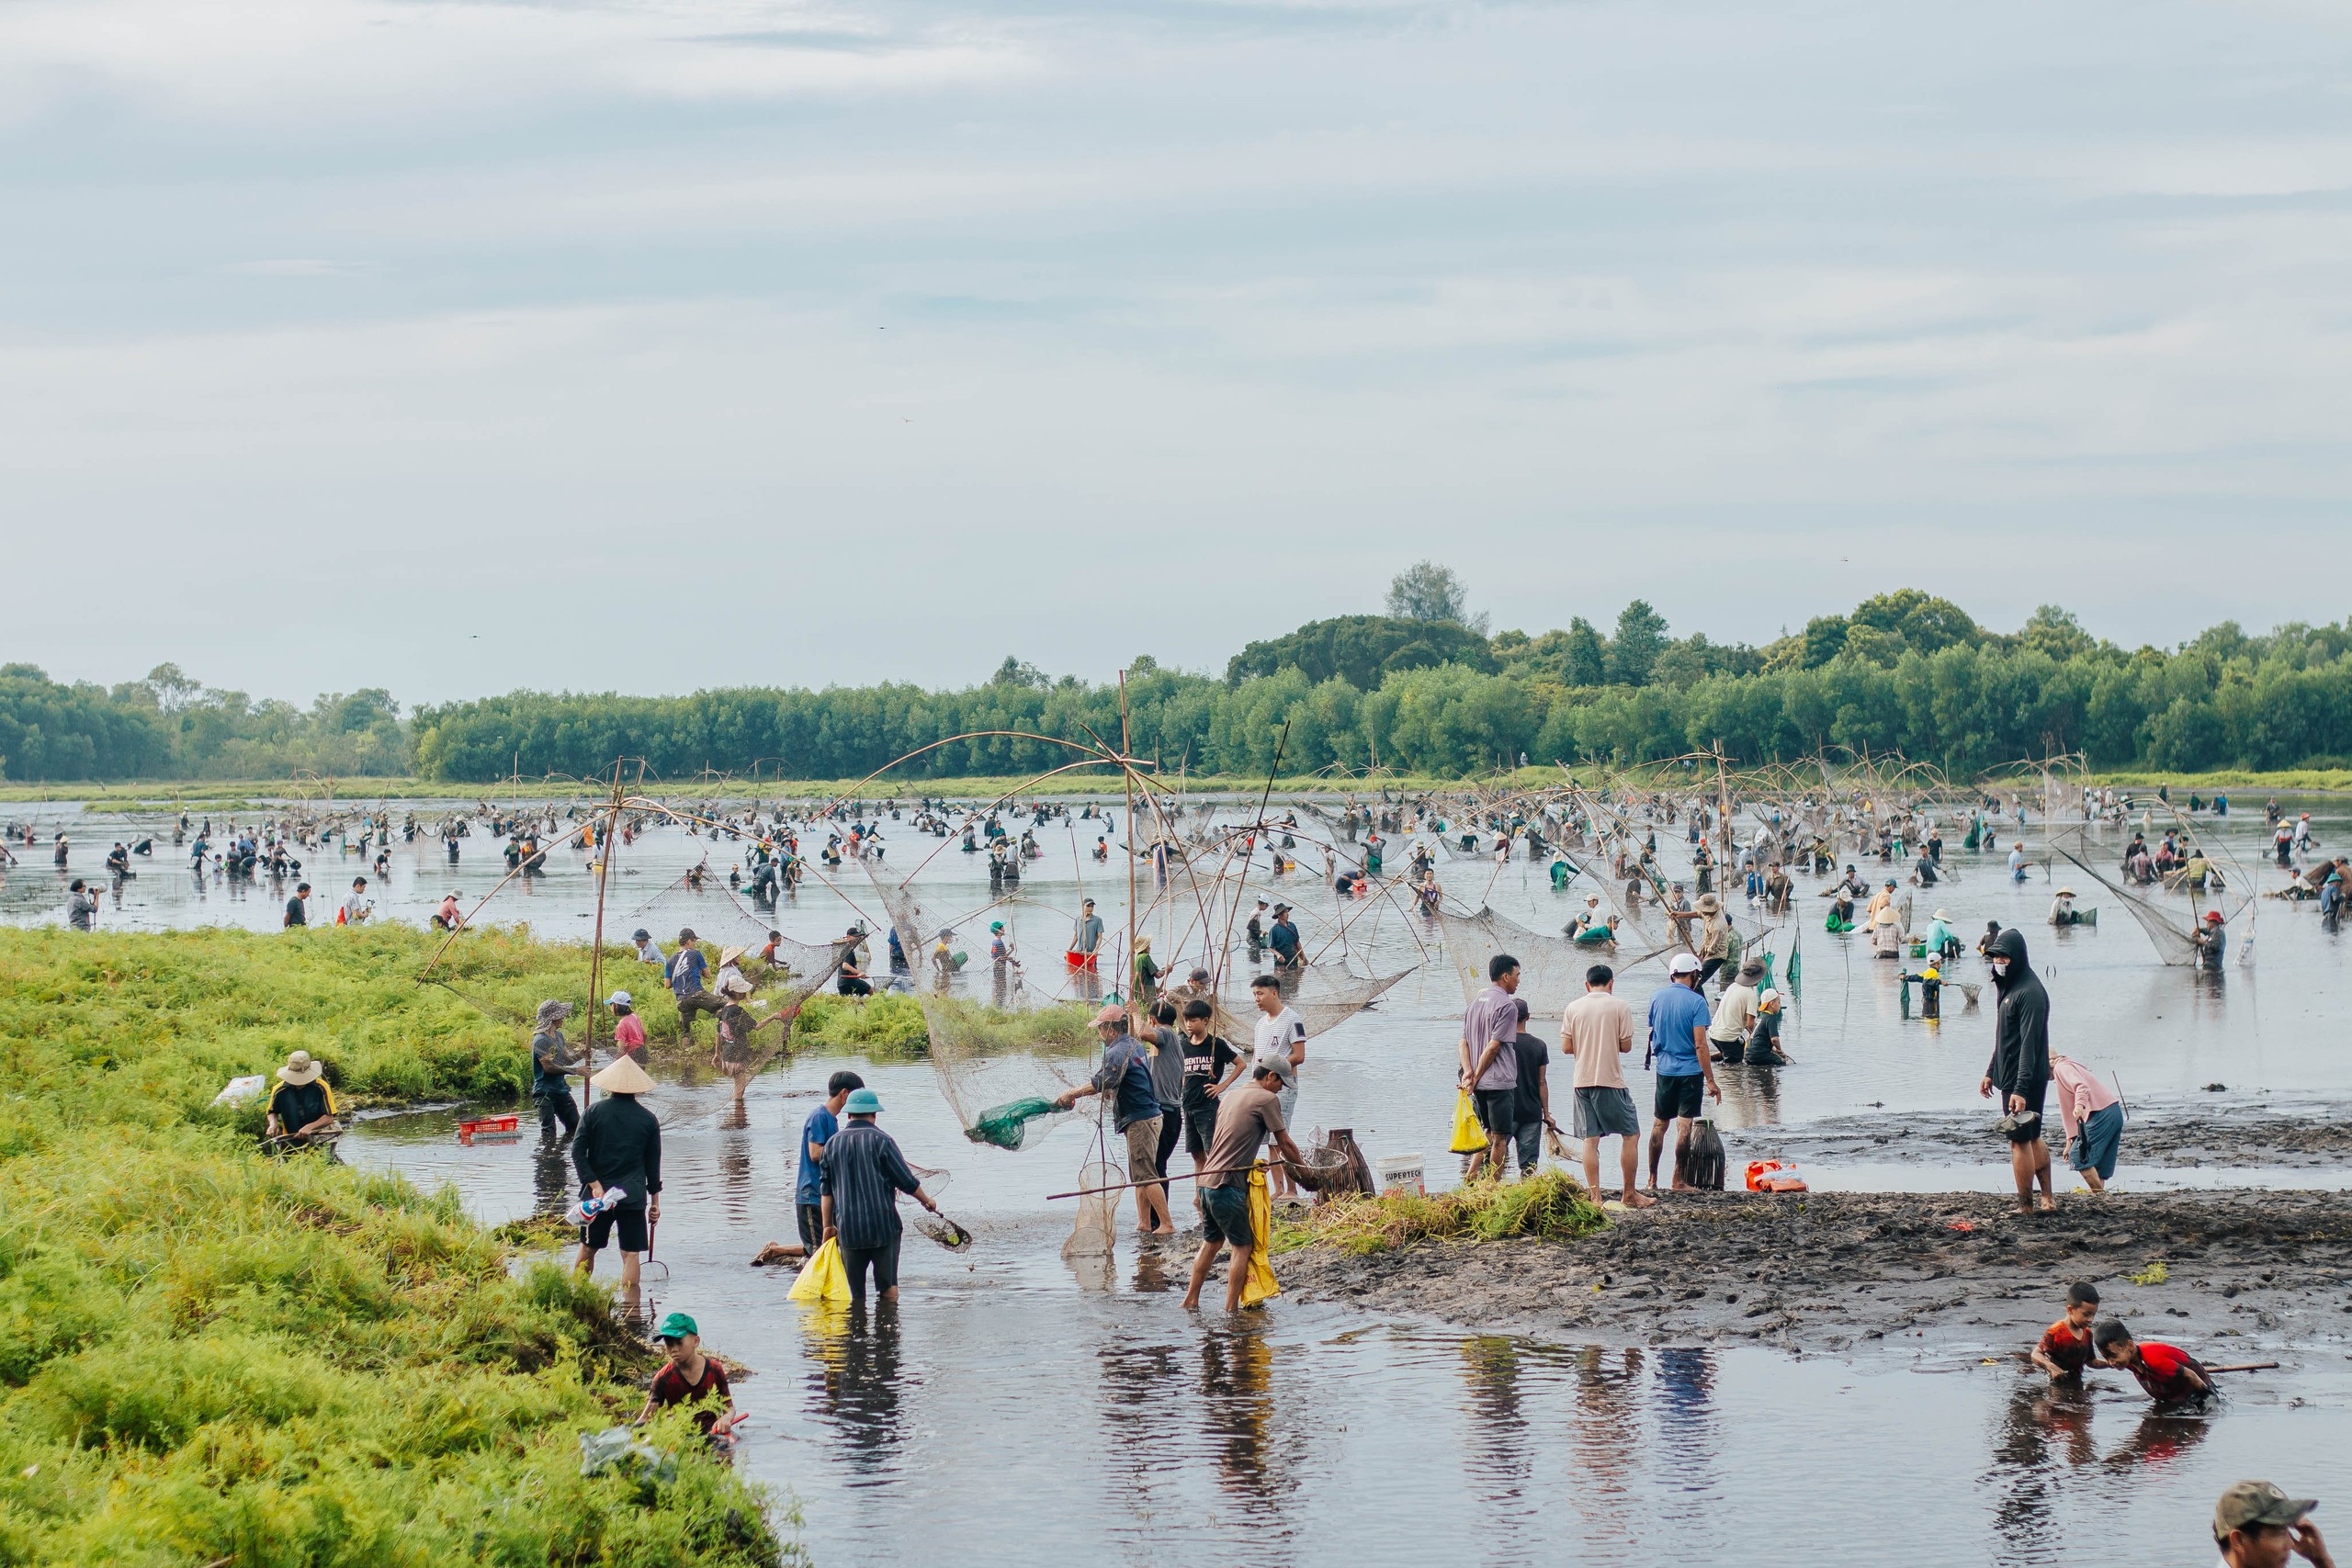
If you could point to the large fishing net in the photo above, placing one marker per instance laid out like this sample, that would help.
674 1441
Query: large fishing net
1551 968
1324 996
1000 1061
2168 916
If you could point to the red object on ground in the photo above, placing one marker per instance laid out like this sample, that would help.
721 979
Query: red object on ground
490 1127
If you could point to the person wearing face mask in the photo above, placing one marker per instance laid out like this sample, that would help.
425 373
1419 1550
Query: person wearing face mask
2019 1071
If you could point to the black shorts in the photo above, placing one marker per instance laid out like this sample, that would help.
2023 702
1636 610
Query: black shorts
1680 1096
1498 1111
885 1260
810 1218
1225 1216
628 1217
1200 1125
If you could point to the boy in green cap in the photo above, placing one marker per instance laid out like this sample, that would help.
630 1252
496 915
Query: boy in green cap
690 1378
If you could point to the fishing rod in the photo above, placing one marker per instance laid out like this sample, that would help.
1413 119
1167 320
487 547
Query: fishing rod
1229 1171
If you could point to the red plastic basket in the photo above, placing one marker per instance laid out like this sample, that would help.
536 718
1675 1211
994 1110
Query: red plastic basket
490 1129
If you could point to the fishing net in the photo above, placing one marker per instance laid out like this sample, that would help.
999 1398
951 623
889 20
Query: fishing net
2168 917
1323 995
1551 968
715 913
1094 1234
1000 1063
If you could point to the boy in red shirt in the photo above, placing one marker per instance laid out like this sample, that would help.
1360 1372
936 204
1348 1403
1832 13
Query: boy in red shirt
2170 1376
2065 1348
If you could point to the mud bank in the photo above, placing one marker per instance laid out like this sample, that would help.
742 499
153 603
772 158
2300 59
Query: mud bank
2293 1136
1826 1271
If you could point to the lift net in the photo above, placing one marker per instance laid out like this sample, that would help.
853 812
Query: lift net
2167 916
718 917
1551 968
1324 996
1001 1056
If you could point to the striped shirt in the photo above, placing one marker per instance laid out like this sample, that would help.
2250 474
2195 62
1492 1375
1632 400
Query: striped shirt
864 1169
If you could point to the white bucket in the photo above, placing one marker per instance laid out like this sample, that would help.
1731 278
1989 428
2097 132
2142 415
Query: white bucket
1399 1173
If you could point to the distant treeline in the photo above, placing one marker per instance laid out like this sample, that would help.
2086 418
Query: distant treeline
1903 672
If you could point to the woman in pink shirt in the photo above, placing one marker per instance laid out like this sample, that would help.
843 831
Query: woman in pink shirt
629 1030
2093 1118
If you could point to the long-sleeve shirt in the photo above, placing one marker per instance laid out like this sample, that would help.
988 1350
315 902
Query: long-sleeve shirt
2081 1093
619 1144
864 1173
2021 1036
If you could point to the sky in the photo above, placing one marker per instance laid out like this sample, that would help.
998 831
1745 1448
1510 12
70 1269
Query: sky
456 347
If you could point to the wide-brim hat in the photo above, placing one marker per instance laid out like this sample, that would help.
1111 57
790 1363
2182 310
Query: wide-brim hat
1753 969
300 1069
624 1076
1709 904
727 955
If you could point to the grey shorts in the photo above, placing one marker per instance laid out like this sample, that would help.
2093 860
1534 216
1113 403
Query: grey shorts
1604 1112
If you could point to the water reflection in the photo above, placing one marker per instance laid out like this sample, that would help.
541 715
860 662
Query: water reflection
1501 1469
854 1380
1238 1410
1606 1442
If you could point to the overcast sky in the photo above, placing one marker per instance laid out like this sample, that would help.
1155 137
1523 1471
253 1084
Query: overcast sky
456 347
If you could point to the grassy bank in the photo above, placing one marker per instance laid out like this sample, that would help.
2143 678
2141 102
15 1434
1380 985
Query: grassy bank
1553 1206
210 1355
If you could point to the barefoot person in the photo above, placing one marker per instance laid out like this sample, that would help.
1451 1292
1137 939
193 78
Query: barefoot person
2019 1071
2093 1118
1247 1115
1598 1033
1678 1041
1125 1076
618 1149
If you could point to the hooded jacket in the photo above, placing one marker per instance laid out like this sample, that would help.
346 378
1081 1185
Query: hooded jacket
2022 1029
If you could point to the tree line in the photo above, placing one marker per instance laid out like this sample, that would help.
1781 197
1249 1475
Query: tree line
1424 692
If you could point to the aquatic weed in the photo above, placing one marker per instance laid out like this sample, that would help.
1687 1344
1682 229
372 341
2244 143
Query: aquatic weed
1550 1206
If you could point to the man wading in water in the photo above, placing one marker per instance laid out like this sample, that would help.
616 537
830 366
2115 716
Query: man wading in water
2020 1070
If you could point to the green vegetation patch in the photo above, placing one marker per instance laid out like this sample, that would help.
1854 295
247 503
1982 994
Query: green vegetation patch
207 1355
1552 1206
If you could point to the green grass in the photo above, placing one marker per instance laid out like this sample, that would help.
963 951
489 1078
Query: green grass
210 1355
1552 1206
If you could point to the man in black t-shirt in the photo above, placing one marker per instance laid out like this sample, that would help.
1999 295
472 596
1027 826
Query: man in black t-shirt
296 914
1531 1099
1211 1065
301 1106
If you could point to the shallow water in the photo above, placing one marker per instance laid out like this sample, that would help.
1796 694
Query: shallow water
1010 1410
1013 1409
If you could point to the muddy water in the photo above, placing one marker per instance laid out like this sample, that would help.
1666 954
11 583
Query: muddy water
1014 1409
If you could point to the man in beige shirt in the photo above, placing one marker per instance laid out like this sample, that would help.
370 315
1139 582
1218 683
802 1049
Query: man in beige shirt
1597 1031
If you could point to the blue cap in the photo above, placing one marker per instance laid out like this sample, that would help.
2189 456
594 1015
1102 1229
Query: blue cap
864 1102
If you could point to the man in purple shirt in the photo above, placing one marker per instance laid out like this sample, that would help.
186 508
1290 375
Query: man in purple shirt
1489 1064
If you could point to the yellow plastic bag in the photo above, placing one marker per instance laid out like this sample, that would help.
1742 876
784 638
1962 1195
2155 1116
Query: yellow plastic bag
1469 1137
822 1277
1260 1283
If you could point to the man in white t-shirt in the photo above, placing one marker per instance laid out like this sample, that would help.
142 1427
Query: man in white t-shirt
1736 1013
359 907
1282 1046
1598 1033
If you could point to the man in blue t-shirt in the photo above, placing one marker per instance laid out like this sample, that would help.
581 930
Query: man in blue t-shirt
1679 1048
808 1193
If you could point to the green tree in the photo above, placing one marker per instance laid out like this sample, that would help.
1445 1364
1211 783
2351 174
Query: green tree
1428 591
1641 637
